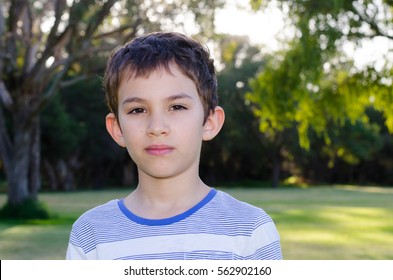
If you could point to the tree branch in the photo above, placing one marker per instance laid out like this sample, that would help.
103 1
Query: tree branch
56 43
73 81
52 48
115 31
98 18
15 12
55 82
5 96
59 10
132 34
372 22
27 38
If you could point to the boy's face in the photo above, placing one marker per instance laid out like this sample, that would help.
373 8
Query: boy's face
160 122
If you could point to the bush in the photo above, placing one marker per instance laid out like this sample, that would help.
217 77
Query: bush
29 210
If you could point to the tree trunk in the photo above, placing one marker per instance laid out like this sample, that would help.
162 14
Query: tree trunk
277 159
65 175
35 159
18 175
51 175
23 169
276 170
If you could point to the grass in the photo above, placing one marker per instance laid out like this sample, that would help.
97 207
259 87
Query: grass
340 222
330 223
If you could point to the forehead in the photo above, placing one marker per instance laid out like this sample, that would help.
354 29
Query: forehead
162 80
132 71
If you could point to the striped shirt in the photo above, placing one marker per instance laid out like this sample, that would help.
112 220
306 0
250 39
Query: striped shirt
218 227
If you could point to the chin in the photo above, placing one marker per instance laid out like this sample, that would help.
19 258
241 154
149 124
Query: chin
164 174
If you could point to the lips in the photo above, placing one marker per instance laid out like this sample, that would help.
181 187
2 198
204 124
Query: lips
159 150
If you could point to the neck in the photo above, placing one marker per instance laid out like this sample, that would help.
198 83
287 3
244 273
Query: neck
157 198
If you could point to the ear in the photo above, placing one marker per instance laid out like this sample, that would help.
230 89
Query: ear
114 129
213 123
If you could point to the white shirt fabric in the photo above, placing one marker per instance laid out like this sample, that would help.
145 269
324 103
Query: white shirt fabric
218 227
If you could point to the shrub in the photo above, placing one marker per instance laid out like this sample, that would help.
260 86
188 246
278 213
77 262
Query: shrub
29 210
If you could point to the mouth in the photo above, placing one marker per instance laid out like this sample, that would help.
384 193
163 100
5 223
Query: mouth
159 150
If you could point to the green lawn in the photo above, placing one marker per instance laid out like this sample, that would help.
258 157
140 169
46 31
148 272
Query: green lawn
315 223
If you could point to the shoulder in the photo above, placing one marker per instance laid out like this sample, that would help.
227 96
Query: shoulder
234 216
97 211
232 206
99 215
92 228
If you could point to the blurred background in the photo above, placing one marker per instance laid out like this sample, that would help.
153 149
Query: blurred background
306 86
307 90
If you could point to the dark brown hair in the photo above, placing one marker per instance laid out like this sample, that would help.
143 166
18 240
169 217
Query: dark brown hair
147 53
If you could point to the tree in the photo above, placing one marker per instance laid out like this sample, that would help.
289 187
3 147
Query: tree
48 44
312 84
77 151
61 138
227 157
33 64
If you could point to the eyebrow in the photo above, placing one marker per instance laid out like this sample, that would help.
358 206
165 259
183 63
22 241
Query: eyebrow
179 96
170 98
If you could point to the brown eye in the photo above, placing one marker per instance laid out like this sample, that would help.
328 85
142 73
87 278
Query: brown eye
178 108
136 111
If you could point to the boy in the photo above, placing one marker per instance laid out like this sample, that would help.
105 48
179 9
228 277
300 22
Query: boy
161 91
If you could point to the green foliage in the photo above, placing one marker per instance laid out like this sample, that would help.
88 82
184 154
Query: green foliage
312 92
255 4
285 92
309 85
73 127
84 102
354 142
30 209
61 133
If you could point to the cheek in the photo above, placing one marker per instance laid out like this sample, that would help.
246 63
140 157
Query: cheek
133 135
133 127
193 129
191 125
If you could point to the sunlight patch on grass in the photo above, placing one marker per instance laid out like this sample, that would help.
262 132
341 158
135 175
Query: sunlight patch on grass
338 232
367 189
33 242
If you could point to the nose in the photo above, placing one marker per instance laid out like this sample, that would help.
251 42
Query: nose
157 125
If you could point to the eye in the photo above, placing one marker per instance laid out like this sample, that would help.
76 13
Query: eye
136 111
178 108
